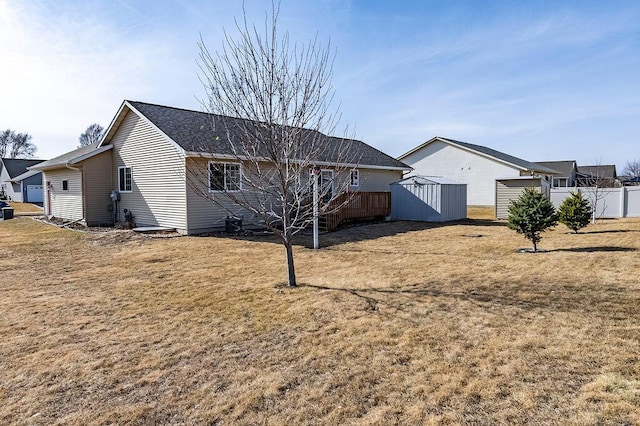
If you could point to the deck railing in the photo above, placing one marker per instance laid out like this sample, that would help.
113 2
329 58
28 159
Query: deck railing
357 205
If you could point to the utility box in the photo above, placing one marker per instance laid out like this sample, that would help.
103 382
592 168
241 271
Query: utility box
233 224
7 213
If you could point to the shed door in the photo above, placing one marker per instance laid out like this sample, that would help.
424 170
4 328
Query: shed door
34 194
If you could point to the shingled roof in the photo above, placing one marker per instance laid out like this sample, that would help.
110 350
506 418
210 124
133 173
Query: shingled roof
194 131
488 152
17 166
71 157
563 167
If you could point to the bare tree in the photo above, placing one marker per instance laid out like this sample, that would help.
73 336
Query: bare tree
595 182
271 102
632 168
16 145
93 134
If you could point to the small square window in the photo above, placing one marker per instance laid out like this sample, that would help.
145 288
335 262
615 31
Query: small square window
65 185
124 179
355 178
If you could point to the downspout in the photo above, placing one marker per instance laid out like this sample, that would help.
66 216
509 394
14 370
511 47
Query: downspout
77 169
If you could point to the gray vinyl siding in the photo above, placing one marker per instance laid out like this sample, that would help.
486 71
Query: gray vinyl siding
98 175
205 214
508 190
373 180
208 210
158 182
66 205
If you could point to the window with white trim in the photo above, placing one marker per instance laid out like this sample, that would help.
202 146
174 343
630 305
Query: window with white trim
225 177
124 179
354 178
65 185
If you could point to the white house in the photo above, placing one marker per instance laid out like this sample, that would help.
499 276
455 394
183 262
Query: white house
474 165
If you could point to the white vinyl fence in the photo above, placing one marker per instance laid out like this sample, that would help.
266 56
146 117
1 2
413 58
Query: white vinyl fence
609 202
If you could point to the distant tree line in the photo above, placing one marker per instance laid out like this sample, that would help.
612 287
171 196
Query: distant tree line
16 145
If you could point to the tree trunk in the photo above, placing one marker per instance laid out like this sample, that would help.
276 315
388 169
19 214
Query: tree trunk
535 247
290 266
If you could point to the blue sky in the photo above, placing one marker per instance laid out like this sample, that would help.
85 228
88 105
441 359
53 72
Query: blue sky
541 80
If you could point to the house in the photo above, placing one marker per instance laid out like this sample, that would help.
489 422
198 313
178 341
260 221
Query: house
19 184
474 165
77 185
603 176
147 162
567 172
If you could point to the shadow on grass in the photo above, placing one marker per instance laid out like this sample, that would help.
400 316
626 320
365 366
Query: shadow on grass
596 249
366 232
474 295
354 232
611 231
610 302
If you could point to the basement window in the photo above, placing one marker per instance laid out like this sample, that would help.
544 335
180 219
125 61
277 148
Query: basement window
65 185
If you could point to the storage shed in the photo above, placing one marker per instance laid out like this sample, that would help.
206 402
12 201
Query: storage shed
509 189
428 199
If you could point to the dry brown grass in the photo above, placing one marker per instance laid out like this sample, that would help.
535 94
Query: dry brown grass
25 208
400 323
481 212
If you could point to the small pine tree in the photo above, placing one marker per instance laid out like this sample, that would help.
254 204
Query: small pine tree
531 214
575 212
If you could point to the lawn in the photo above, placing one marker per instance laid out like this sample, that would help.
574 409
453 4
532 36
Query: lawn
398 323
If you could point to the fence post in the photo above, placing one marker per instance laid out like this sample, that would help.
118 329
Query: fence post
623 202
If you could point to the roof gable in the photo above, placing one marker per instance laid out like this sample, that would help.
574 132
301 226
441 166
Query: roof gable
18 166
485 152
194 132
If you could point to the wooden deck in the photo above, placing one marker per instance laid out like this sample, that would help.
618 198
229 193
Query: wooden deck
357 205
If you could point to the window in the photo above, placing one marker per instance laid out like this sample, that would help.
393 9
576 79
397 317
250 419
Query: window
65 185
124 179
355 178
225 177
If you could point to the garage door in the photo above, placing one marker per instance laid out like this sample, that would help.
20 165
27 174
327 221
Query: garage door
34 193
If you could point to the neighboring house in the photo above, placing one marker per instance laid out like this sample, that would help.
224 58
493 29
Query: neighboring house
475 165
19 184
603 176
150 153
567 171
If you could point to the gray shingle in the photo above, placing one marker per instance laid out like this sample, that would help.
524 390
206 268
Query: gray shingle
17 166
502 156
201 132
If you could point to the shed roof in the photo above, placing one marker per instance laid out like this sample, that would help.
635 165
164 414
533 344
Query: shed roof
72 157
195 132
17 166
487 152
429 180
